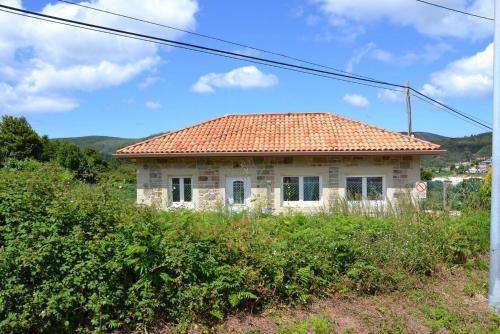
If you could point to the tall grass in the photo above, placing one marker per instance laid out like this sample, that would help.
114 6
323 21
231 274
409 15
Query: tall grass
75 257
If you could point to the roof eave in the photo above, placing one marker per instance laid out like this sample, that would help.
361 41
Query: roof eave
294 153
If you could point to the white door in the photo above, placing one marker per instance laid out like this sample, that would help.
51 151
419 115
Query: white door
238 192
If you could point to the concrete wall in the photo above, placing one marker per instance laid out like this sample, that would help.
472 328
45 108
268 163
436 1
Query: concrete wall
265 175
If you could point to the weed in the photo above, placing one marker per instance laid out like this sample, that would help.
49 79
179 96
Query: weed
313 324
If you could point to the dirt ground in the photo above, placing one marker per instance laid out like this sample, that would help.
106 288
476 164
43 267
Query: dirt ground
452 301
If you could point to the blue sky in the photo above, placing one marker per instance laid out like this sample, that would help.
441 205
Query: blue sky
69 82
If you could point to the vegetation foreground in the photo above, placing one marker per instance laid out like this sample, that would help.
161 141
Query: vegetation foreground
76 257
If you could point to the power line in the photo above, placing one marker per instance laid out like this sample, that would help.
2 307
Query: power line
212 38
456 10
201 51
449 112
223 53
195 46
459 112
480 122
230 42
484 127
445 110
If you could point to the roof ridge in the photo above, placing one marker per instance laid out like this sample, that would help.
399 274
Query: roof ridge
281 113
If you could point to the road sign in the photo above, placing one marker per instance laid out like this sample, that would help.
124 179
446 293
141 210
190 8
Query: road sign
421 188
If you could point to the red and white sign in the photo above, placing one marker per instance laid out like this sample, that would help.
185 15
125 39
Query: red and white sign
421 188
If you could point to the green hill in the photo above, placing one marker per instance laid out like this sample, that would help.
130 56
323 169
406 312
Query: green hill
106 145
457 149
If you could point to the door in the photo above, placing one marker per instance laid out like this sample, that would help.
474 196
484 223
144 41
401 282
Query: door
238 192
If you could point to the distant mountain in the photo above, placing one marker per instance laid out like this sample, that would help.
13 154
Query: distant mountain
457 149
432 137
104 144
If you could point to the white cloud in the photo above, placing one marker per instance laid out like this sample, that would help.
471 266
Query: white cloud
469 76
348 15
153 105
47 61
356 100
12 102
386 95
382 55
82 77
430 53
358 55
243 77
149 81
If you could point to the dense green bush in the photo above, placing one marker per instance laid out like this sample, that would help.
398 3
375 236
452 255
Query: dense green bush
76 257
18 140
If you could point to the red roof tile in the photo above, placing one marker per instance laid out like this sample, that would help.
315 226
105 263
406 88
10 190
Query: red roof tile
292 133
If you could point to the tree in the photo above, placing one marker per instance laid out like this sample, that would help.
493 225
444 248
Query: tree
69 156
486 189
18 140
95 159
426 174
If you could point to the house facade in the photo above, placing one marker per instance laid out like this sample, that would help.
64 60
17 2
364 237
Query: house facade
276 162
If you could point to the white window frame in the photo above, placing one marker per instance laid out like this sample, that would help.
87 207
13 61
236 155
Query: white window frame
181 202
364 190
247 188
301 202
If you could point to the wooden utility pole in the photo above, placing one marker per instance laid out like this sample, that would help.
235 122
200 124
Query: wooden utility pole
408 107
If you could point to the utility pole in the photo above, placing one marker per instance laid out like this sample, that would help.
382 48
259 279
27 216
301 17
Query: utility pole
408 107
494 287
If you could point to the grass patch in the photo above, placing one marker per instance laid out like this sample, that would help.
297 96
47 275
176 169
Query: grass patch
311 325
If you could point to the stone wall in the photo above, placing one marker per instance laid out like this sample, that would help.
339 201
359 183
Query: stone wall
265 174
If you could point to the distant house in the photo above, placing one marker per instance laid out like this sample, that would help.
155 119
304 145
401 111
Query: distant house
276 161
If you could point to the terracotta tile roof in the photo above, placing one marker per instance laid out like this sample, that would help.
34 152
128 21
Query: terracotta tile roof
292 133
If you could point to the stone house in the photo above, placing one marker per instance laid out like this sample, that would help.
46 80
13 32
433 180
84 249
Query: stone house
277 161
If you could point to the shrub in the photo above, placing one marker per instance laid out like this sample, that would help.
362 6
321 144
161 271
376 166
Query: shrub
27 164
79 258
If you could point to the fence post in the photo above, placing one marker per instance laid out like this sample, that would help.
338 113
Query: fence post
445 193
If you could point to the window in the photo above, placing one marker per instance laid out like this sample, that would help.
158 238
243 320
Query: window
369 188
182 189
291 189
238 192
374 188
311 188
354 188
301 188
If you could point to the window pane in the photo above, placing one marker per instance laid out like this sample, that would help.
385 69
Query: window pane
291 188
188 190
238 192
176 190
354 188
374 188
311 188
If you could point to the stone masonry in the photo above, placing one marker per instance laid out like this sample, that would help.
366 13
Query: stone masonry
208 175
